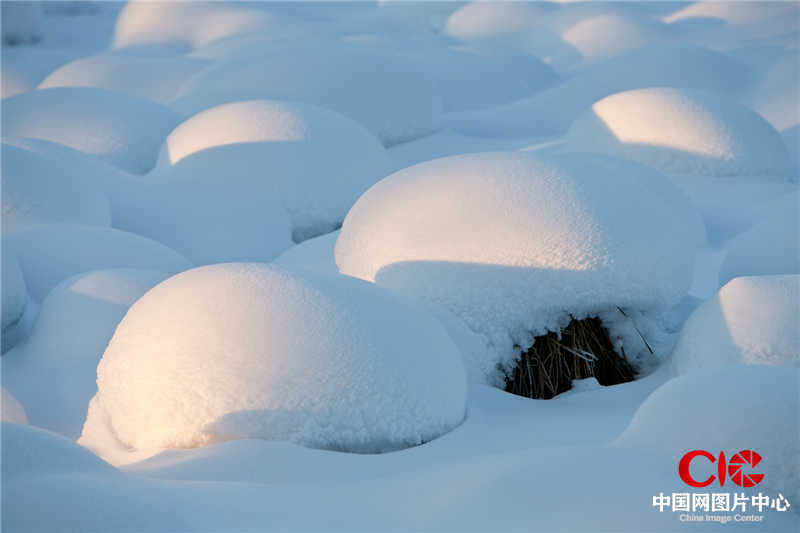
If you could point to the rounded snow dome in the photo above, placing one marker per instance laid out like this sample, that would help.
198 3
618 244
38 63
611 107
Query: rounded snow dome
729 409
477 20
390 97
120 129
514 243
751 320
247 350
697 133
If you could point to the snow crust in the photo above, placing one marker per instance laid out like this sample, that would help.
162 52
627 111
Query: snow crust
251 351
751 320
394 100
123 130
50 253
515 243
315 162
698 133
53 372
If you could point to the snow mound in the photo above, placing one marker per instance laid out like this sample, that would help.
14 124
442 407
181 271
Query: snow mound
181 27
605 35
733 13
30 452
22 69
21 22
513 243
10 409
123 130
753 408
480 20
152 78
31 198
314 254
315 161
53 372
472 78
14 292
242 350
697 133
50 253
751 320
551 111
394 100
772 246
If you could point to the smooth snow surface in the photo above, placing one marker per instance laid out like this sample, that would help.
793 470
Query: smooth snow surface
123 130
697 133
515 243
475 78
13 288
389 96
250 351
151 78
32 197
21 22
178 27
772 246
314 161
675 419
551 111
10 409
50 253
53 372
751 320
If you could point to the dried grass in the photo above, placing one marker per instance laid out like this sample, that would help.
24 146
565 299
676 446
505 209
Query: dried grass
584 350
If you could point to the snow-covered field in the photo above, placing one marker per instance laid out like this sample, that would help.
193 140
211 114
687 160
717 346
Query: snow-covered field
268 265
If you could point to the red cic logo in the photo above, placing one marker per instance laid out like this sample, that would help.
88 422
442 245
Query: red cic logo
733 468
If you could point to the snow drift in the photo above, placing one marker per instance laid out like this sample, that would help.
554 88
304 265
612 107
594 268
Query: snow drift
123 130
751 320
394 100
241 351
514 243
315 162
697 133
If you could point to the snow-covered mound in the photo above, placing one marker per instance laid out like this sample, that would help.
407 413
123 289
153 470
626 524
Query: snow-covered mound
314 161
245 350
513 243
551 111
392 98
10 409
605 35
31 197
22 69
314 254
475 78
751 320
772 246
21 22
726 409
477 20
14 292
121 129
183 26
30 452
697 133
152 78
53 372
50 253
